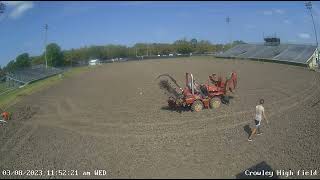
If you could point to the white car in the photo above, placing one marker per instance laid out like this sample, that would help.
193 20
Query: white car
170 54
158 55
94 62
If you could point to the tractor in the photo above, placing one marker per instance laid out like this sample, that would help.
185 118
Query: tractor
219 88
198 96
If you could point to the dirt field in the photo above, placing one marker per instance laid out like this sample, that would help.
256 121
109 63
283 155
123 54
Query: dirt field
115 118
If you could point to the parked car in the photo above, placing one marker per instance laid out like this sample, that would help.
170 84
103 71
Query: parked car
170 54
94 62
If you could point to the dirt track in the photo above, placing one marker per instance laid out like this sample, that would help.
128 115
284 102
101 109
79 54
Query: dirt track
100 120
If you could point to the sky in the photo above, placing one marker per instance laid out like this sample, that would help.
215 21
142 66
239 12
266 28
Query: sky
84 23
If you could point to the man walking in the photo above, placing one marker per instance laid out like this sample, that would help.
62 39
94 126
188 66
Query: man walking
259 113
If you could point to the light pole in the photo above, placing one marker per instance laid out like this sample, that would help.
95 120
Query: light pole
2 7
309 7
228 22
136 53
45 44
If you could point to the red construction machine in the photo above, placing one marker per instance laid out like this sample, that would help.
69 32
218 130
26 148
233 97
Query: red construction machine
219 88
198 96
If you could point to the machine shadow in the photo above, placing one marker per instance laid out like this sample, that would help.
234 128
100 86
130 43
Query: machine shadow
179 110
266 172
316 103
247 129
186 109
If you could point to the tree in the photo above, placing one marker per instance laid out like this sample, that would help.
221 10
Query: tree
203 47
11 66
95 52
238 42
36 60
183 46
2 73
71 57
141 49
23 60
54 55
194 43
166 48
219 47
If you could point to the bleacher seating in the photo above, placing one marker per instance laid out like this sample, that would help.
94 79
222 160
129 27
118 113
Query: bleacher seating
283 52
34 73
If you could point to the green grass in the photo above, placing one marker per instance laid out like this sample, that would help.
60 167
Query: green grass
3 87
9 99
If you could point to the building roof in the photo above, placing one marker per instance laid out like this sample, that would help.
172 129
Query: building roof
284 52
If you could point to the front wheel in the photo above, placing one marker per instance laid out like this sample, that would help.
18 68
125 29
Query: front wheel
215 103
225 100
197 106
3 123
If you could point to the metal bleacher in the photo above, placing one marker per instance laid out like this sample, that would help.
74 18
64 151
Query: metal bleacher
27 75
282 52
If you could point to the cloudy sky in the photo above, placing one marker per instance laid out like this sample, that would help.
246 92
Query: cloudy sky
76 24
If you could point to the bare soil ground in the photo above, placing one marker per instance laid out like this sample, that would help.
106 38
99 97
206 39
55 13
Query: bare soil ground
115 118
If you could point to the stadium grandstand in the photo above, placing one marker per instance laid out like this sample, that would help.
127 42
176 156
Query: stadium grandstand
28 75
272 50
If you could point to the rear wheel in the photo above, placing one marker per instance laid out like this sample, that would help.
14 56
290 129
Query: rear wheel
225 100
3 123
197 106
215 103
171 103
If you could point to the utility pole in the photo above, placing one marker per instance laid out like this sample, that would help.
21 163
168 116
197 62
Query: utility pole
309 7
45 43
136 53
228 22
2 7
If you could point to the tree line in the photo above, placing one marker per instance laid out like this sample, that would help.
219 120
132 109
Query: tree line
57 57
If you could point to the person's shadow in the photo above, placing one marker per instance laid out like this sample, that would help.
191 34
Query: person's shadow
247 129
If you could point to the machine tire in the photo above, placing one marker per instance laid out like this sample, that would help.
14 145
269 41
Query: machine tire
197 106
171 103
225 100
3 123
215 103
